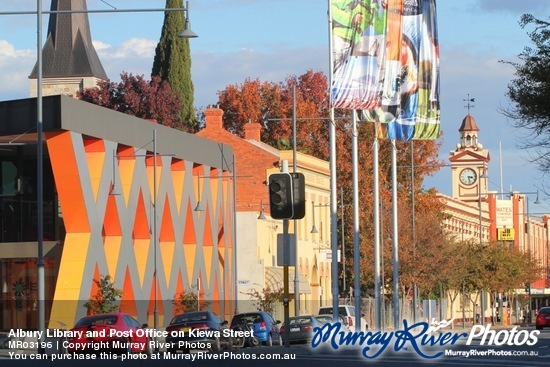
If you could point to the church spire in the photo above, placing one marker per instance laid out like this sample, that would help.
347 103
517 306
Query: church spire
68 51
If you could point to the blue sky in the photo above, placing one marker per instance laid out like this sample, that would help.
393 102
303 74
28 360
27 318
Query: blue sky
272 39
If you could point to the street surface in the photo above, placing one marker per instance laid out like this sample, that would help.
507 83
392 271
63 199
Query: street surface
305 356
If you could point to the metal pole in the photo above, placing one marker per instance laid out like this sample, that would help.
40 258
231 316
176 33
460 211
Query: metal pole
482 301
463 307
235 236
333 197
530 305
356 263
91 11
480 221
482 311
343 239
382 271
296 273
40 264
528 249
155 239
376 222
41 279
440 301
528 230
286 262
395 239
198 294
286 258
413 224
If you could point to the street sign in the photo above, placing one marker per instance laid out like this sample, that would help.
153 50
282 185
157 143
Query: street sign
292 247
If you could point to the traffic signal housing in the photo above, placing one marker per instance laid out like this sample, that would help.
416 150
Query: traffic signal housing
528 288
281 204
298 195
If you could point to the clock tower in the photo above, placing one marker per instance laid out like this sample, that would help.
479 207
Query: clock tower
469 163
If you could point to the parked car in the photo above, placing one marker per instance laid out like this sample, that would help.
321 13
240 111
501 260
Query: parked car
264 326
348 312
300 329
324 319
543 318
197 330
112 332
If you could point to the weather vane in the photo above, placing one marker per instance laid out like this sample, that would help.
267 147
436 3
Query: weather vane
468 105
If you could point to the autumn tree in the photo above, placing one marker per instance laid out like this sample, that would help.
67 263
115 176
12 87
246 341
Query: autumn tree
271 104
172 62
529 92
452 273
138 97
428 208
420 256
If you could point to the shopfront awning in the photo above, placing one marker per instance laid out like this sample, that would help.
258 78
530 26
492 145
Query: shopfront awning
274 280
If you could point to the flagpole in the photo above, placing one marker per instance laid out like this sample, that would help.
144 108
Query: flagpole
333 198
376 222
356 263
395 237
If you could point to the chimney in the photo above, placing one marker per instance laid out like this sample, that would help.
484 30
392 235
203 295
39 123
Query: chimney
214 119
252 131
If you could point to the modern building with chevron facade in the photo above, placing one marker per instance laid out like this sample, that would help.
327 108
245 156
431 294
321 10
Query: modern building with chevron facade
107 176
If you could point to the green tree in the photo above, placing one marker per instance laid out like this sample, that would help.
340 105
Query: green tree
187 302
530 92
173 62
106 299
266 299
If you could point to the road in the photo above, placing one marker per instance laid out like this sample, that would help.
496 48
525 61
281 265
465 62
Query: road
305 356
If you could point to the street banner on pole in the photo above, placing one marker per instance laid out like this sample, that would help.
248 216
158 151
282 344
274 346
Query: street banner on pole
358 29
386 63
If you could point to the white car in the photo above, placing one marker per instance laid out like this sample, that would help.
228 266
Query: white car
347 313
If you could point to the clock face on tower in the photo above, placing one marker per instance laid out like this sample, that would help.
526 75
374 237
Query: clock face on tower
468 176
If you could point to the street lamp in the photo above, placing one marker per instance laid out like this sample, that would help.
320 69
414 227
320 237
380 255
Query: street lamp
200 205
313 206
262 214
528 227
187 33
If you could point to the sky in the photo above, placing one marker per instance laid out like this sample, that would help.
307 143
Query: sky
273 39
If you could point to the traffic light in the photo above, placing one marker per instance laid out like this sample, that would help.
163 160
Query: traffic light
281 202
298 195
527 287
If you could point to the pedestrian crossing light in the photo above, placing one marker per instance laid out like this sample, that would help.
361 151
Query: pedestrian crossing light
281 202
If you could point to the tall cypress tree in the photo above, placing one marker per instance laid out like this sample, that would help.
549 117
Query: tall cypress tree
173 62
